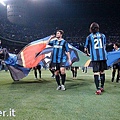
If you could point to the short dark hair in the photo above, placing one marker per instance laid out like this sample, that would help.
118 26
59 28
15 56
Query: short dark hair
117 44
94 27
61 31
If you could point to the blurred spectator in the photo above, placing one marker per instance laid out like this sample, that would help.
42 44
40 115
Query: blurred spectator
75 29
37 68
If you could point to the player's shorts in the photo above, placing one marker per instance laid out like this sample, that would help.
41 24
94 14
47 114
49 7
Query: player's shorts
50 65
72 68
99 66
37 67
57 66
119 66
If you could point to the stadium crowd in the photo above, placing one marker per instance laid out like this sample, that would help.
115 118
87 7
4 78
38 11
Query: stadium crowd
75 29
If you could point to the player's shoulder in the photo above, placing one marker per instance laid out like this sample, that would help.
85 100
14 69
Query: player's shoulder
64 40
89 36
103 35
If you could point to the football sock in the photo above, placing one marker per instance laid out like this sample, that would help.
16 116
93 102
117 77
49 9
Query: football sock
113 73
35 72
96 80
58 79
75 73
52 71
63 77
72 72
102 76
40 73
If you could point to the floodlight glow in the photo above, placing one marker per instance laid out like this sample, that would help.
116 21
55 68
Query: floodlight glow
2 2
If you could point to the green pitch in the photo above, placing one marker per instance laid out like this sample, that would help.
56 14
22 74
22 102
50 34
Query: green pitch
31 99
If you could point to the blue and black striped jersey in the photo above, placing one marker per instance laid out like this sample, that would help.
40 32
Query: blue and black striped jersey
96 44
60 47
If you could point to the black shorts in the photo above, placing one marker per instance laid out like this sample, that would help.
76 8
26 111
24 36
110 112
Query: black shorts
57 66
72 68
99 66
50 65
37 67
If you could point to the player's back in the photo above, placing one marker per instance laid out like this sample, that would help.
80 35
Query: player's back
97 42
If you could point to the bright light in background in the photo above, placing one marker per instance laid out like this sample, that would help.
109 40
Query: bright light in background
2 2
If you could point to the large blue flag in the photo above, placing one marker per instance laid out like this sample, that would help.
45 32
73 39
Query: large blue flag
113 57
17 72
35 52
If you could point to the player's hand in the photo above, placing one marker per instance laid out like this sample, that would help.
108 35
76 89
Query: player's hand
52 36
70 62
88 54
85 50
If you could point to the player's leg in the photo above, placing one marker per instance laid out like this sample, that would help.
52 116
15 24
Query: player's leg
85 69
103 66
117 79
52 71
60 74
57 76
113 72
63 77
96 79
35 72
76 72
119 71
72 70
39 70
102 78
96 76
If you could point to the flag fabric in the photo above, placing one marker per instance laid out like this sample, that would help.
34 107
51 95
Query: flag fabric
81 59
78 58
31 55
113 57
88 63
38 52
17 72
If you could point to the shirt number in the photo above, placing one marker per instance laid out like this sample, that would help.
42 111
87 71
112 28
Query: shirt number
98 43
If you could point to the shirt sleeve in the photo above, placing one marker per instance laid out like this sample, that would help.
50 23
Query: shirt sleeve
51 43
87 42
105 40
66 47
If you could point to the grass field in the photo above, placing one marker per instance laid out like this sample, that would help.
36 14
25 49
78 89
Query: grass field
39 100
